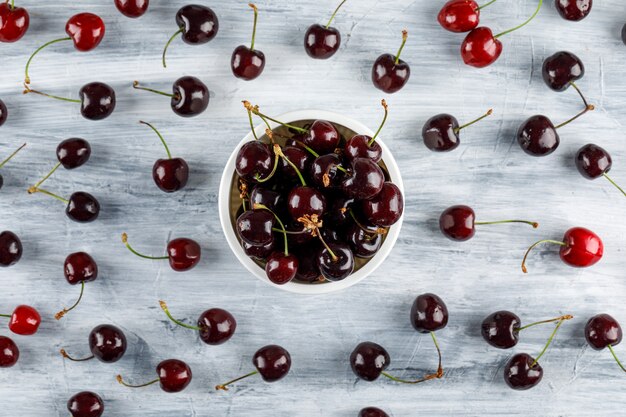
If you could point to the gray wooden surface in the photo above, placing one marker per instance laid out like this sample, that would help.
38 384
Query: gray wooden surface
488 172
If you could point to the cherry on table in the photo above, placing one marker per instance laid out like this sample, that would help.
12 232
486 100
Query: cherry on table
562 69
215 326
170 174
14 22
24 320
603 331
365 179
73 153
363 146
385 208
429 313
132 8
501 329
183 253
389 72
173 376
372 412
198 25
458 223
593 162
9 352
4 113
248 63
272 362
624 34
522 372
81 207
441 132
10 249
85 404
322 42
107 343
190 96
3 163
79 268
573 10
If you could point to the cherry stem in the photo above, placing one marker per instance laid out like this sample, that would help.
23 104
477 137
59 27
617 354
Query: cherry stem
252 125
523 24
605 176
125 241
271 174
5 315
26 76
12 4
178 322
588 107
556 242
377 231
255 110
335 13
224 387
615 357
545 348
256 17
52 171
437 375
288 232
66 356
487 4
332 254
533 224
258 206
138 87
278 151
3 163
167 149
562 318
489 113
33 190
63 312
307 148
384 104
167 45
405 36
121 381
27 90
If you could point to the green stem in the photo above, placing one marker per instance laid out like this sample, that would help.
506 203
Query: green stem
335 13
12 4
545 348
405 36
279 152
615 357
489 113
48 193
5 315
562 318
252 125
63 312
167 45
373 139
377 231
271 174
180 323
27 90
26 76
3 163
307 148
556 242
167 149
332 254
256 17
438 374
48 175
523 24
288 232
224 387
125 241
258 113
614 183
137 87
588 107
533 224
282 226
487 4
66 356
121 381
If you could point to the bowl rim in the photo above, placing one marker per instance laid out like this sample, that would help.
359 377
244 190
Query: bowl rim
231 236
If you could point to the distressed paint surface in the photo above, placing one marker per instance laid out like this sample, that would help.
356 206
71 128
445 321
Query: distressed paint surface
488 172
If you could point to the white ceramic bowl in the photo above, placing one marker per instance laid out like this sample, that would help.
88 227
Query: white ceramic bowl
231 234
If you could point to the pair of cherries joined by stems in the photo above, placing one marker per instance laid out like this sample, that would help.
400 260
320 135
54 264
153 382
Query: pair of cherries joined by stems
24 321
183 253
189 96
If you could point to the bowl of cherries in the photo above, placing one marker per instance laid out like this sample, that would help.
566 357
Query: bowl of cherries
312 201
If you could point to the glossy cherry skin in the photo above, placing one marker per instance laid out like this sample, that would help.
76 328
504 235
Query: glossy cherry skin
199 24
372 412
297 156
593 161
323 138
174 375
298 236
255 227
480 48
273 362
247 64
171 174
501 329
519 375
269 198
107 343
365 181
254 161
537 136
602 331
4 113
561 69
191 97
80 267
24 321
85 404
13 23
9 352
82 207
259 252
321 42
338 213
429 313
459 15
86 31
97 101
184 254
368 360
358 147
324 168
217 326
73 153
457 223
305 201
363 244
308 269
582 248
386 208
10 249
440 133
281 268
574 10
389 76
132 8
336 269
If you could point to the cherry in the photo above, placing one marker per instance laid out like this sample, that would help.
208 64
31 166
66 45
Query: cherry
460 15
580 248
522 372
182 253
264 196
3 163
248 63
197 24
322 137
259 252
364 244
132 8
81 207
308 269
501 329
254 161
372 412
303 200
9 352
73 153
215 326
363 146
365 179
574 10
322 42
338 213
602 331
336 261
299 157
272 362
14 22
441 132
190 96
389 72
255 227
169 174
429 313
562 69
386 208
85 404
457 223
593 162
326 171
10 249
24 320
106 342
79 267
4 113
174 376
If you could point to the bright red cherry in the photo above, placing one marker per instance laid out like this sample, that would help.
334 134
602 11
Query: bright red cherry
580 248
169 174
132 8
272 362
389 72
216 326
459 15
85 404
183 254
248 63
322 42
458 223
24 321
9 352
174 376
14 22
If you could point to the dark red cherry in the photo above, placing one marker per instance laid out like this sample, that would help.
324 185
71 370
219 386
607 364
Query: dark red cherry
82 207
365 179
480 48
24 320
266 197
86 31
520 373
73 153
174 375
364 244
199 24
574 10
4 113
372 412
457 223
189 97
217 326
14 22
10 249
624 34
602 331
358 147
297 156
259 252
305 201
325 172
281 268
97 101
441 132
248 63
386 208
107 343
429 313
254 161
323 138
272 362
298 235
322 42
593 161
501 329
170 175
132 8
368 360
389 72
255 227
85 404
9 352
308 269
336 262
184 254
537 136
562 69
80 267
459 15
338 213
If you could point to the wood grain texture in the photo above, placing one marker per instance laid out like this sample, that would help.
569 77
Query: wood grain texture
488 172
